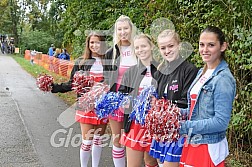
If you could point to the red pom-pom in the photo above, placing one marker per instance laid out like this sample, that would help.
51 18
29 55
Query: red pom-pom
87 100
44 82
82 82
162 121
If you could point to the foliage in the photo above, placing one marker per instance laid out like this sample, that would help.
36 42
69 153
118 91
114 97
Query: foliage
38 40
10 18
67 21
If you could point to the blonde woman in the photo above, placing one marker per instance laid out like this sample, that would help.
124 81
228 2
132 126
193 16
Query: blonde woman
134 80
118 59
174 76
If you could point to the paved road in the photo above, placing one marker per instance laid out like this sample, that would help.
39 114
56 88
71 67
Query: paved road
30 133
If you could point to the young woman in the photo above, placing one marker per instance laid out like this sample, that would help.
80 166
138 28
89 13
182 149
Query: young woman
92 128
174 76
134 80
211 96
118 59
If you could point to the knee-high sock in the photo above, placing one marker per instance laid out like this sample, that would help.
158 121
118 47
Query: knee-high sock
96 150
85 152
118 154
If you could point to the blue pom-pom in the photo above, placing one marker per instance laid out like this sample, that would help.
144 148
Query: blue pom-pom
141 104
108 103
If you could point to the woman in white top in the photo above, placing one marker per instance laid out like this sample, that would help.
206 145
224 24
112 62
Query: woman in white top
118 59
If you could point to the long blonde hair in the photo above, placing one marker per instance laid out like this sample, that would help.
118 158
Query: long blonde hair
116 40
168 33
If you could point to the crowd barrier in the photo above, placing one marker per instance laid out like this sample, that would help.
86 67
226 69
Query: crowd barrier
59 66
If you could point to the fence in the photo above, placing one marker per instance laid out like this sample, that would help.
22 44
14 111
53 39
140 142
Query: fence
59 66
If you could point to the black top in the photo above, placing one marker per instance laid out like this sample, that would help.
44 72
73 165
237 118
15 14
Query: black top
178 75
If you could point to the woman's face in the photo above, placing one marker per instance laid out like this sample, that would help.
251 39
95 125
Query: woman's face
210 49
143 49
169 48
123 31
94 45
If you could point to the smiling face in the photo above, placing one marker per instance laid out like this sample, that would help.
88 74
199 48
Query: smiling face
123 31
168 47
143 49
210 49
95 45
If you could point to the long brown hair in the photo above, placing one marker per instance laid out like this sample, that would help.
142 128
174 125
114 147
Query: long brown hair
87 52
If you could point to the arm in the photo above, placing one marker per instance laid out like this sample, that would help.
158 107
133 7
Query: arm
66 86
107 65
125 86
223 97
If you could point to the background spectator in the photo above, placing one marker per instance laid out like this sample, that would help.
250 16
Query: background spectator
64 55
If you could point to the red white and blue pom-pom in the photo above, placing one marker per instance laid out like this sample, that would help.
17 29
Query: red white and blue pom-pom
44 82
109 102
162 121
141 104
87 100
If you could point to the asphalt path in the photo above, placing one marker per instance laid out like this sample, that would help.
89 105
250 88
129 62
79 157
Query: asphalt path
31 133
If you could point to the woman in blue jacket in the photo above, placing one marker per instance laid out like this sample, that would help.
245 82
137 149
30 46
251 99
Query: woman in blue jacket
210 98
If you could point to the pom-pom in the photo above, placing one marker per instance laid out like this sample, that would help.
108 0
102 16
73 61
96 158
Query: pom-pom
44 82
87 100
82 82
141 104
162 121
109 102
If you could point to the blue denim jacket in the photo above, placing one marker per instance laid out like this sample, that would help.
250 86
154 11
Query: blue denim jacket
212 111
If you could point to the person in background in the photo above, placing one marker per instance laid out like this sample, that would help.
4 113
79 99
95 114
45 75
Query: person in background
92 128
135 79
118 59
51 50
211 97
64 55
57 52
2 47
174 76
50 54
32 56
